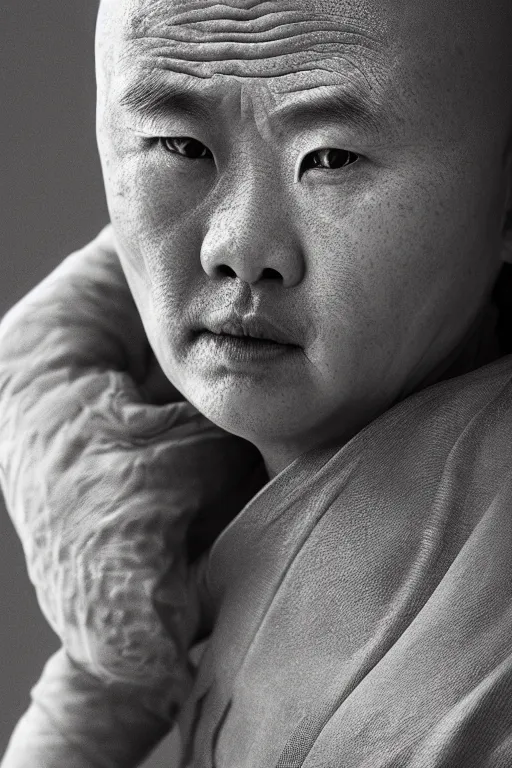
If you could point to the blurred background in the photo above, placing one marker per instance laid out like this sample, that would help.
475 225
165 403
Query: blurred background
52 202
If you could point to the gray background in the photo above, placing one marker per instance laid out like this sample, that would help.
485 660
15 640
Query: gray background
52 202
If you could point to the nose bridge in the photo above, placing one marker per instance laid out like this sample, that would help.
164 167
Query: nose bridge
248 228
252 198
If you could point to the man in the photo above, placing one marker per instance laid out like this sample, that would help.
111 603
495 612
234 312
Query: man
311 205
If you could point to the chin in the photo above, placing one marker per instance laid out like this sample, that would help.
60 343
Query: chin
251 412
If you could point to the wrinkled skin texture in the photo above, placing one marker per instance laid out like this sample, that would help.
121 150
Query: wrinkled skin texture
103 485
374 270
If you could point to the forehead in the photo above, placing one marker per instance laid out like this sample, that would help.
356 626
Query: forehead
447 55
249 39
143 16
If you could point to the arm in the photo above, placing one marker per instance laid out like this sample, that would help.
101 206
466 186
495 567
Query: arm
103 488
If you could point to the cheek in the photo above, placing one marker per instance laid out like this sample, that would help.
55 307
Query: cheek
159 242
145 197
395 273
400 246
361 258
148 192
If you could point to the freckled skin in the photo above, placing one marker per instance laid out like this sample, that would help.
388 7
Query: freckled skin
376 270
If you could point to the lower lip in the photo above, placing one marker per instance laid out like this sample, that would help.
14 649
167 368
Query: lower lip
242 349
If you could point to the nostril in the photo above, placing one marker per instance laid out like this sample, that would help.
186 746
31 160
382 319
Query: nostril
223 269
270 274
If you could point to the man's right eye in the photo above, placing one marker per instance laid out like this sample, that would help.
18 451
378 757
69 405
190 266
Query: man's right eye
186 147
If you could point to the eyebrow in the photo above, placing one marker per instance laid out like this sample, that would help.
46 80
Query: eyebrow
156 99
339 104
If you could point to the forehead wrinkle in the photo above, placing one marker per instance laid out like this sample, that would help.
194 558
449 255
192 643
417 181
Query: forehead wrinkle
339 63
247 48
155 42
233 14
201 32
261 29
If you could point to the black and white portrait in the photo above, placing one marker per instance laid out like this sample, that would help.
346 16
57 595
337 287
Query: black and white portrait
256 398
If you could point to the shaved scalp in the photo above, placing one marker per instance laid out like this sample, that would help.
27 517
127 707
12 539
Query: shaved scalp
469 40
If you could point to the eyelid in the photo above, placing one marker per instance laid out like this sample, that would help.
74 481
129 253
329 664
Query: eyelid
147 132
162 142
300 171
155 132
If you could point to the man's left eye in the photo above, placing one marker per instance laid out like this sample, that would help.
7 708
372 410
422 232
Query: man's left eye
186 147
328 159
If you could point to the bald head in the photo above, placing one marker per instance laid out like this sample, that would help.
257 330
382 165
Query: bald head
337 166
455 53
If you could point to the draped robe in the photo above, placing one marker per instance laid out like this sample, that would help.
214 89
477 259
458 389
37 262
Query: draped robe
356 613
362 600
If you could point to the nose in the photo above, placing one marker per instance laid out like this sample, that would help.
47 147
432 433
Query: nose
250 234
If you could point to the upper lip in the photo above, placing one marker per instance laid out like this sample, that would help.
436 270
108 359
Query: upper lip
256 326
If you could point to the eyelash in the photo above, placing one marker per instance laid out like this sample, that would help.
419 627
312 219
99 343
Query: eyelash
165 141
310 161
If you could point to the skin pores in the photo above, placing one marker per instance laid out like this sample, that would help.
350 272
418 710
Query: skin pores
339 167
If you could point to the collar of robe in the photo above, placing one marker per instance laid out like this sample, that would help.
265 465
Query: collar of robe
363 597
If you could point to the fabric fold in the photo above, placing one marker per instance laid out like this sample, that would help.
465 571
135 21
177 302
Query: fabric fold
364 598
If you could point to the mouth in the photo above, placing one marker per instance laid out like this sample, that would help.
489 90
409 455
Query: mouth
233 339
252 329
241 348
244 338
